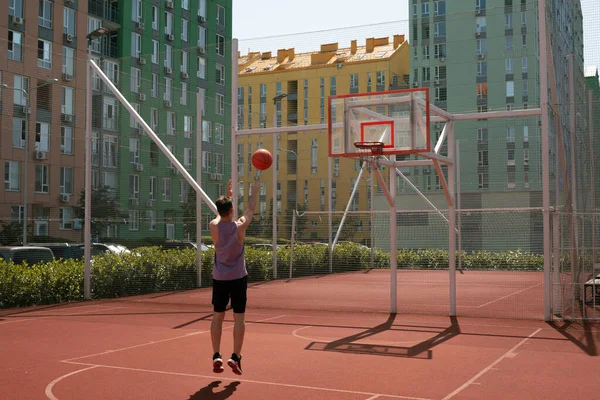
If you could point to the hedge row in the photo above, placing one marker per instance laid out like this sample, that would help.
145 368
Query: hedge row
151 270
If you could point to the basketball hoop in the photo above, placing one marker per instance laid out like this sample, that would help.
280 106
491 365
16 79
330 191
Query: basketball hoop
369 151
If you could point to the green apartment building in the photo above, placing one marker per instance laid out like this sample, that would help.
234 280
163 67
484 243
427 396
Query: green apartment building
160 55
481 56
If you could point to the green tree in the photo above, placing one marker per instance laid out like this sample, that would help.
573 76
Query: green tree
105 209
11 232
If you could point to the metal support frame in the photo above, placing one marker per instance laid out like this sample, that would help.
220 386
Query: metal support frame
542 33
199 117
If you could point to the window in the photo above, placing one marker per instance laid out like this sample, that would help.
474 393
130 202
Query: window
509 43
134 150
155 52
439 29
220 45
524 40
481 46
220 104
45 14
525 89
111 69
151 218
185 28
510 177
154 119
167 189
42 136
109 151
94 24
439 50
187 158
481 69
136 11
42 174
507 21
66 180
67 100
510 89
44 54
511 156
184 93
185 56
220 15
526 156
219 134
152 188
201 36
425 9
483 158
155 18
220 74
481 135
66 218
15 46
206 131
69 21
526 179
136 45
168 56
441 94
19 132
171 123
201 68
154 89
187 126
185 4
439 7
525 134
524 65
483 181
12 176
15 7
314 156
66 140
134 187
509 66
480 4
510 134
167 95
480 25
482 90
169 18
202 8
68 65
134 220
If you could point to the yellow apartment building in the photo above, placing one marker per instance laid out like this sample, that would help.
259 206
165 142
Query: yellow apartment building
305 81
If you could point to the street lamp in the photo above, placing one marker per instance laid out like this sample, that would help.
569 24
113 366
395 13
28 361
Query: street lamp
87 224
26 149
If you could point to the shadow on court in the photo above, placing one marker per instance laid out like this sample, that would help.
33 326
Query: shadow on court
587 342
208 392
421 350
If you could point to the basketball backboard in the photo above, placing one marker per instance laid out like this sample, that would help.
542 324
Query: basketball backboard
398 118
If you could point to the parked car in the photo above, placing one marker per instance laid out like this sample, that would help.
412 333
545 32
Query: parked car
63 250
203 247
29 254
264 246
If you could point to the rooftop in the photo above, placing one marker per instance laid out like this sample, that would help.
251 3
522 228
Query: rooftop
330 54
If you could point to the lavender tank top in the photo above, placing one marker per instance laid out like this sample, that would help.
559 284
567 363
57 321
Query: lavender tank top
229 263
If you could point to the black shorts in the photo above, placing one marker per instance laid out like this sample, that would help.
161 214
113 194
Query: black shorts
224 290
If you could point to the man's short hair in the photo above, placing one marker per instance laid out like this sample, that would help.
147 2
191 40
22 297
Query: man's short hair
224 206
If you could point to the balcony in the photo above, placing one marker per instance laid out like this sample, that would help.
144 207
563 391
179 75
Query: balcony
108 10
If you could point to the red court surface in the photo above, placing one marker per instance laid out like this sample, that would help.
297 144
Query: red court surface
158 347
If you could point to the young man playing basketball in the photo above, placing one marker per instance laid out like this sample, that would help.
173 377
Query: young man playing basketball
230 279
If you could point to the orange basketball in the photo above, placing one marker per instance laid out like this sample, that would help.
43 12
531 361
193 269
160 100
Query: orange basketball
262 159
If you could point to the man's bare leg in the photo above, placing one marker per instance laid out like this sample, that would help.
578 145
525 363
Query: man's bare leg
216 329
239 329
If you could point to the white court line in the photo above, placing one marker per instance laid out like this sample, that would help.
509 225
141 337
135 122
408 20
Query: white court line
153 342
508 295
288 385
373 397
34 318
489 367
50 386
376 342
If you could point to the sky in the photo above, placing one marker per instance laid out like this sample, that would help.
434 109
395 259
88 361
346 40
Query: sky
267 25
